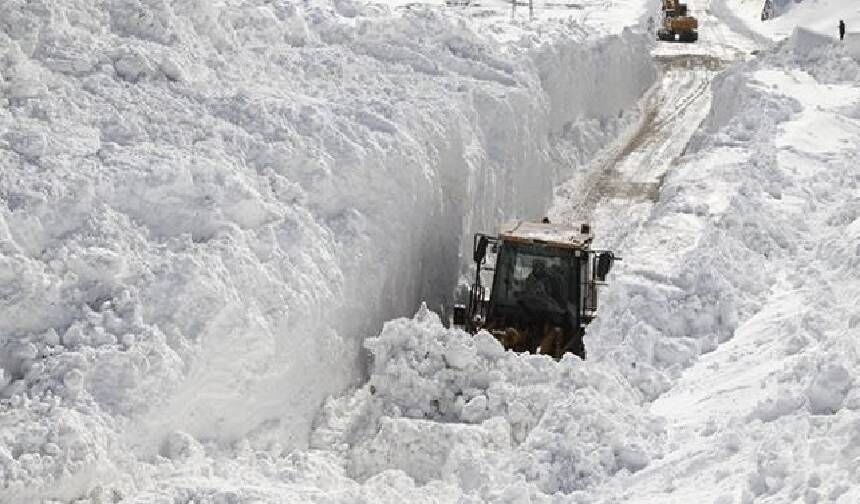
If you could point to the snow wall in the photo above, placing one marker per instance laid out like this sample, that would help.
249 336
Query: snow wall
205 208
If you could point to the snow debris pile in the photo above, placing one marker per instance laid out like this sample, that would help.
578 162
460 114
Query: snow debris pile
443 405
204 207
445 417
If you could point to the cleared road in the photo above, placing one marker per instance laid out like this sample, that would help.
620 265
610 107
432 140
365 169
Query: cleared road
624 180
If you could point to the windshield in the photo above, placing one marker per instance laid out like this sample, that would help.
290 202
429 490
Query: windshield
535 278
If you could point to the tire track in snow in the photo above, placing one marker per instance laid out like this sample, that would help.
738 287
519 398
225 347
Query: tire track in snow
632 170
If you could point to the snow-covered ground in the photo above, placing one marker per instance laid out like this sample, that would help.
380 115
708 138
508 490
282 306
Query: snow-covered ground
207 208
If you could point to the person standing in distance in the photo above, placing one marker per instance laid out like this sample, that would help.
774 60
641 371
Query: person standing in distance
841 30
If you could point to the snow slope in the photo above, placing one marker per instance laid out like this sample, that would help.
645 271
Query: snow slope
207 206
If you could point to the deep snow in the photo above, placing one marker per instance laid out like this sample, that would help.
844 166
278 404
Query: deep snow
207 206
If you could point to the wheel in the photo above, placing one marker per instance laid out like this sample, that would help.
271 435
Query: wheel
688 37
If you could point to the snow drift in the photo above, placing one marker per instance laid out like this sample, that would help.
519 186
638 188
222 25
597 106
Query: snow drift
206 207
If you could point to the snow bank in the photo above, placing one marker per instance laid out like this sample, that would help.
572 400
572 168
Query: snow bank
744 325
678 299
809 323
206 207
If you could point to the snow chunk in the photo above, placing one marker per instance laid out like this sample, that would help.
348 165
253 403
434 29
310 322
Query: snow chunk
423 449
828 389
180 445
459 355
74 381
488 346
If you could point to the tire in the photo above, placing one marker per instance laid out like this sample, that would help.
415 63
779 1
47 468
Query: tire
688 37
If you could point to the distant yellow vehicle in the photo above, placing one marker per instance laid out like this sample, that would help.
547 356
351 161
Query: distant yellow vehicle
678 25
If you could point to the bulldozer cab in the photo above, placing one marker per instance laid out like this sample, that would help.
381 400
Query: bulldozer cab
535 287
678 24
674 8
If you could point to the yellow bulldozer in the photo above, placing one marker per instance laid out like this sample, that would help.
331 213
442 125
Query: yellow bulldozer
677 25
535 287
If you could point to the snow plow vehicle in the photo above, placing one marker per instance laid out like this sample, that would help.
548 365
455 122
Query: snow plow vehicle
535 287
677 23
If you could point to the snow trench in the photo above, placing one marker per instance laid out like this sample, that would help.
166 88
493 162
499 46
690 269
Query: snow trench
205 208
749 256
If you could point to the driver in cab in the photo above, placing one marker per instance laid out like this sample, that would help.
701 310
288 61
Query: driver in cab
539 289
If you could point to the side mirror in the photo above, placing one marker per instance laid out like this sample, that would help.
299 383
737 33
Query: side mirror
459 315
481 249
604 264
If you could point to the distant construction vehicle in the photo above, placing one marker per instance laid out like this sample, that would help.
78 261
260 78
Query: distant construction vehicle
535 287
677 25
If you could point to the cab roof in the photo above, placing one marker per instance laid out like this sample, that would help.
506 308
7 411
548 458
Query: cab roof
554 235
